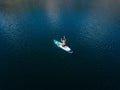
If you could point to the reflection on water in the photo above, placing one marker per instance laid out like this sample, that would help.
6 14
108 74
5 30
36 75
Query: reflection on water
9 25
53 11
92 29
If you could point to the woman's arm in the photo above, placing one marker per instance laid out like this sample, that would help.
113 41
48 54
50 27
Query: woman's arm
61 39
64 38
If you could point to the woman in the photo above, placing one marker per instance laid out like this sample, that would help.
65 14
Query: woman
63 40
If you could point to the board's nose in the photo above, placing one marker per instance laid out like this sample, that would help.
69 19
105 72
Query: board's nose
55 41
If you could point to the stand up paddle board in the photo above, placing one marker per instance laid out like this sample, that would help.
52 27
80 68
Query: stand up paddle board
66 48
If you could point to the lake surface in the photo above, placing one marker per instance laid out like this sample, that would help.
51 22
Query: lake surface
29 60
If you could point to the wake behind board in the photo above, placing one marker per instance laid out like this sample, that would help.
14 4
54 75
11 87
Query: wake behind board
59 44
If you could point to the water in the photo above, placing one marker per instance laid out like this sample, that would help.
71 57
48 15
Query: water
30 60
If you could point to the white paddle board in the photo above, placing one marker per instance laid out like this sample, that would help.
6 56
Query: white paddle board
65 48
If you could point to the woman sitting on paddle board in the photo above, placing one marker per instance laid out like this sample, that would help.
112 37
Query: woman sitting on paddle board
63 40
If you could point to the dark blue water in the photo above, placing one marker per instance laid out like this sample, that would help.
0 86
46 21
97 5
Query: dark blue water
30 60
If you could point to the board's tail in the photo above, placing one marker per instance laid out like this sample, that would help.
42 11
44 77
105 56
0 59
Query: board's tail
71 51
